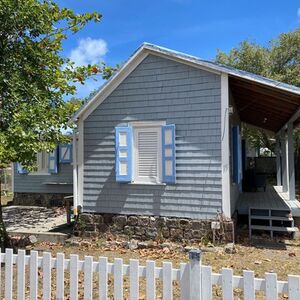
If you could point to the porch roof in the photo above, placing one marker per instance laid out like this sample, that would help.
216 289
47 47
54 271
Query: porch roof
263 105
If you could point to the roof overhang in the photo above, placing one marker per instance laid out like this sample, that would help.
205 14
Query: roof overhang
262 105
262 102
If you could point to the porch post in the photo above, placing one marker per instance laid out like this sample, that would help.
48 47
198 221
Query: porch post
75 171
291 163
278 161
283 142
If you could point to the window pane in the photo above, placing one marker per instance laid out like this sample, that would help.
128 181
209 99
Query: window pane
123 139
51 164
123 168
123 153
168 168
65 152
168 137
168 152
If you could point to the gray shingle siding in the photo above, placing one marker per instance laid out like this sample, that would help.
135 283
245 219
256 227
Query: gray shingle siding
38 183
159 89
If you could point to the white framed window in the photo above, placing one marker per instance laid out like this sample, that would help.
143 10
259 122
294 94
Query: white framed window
42 162
147 154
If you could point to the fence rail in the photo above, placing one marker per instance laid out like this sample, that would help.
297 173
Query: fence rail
196 281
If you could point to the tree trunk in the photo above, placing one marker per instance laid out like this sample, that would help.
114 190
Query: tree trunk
5 241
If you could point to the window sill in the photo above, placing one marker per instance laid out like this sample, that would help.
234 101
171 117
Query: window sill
147 183
38 173
57 183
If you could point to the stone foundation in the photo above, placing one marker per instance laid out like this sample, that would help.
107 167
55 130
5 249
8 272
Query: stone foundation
153 227
37 199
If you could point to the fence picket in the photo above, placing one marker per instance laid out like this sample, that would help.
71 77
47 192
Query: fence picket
271 286
88 278
294 287
21 275
8 274
47 276
227 284
206 282
103 277
118 279
150 280
195 280
167 281
60 261
73 277
184 281
33 284
134 279
249 289
1 261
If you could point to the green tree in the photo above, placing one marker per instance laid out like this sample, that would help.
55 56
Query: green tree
279 60
35 78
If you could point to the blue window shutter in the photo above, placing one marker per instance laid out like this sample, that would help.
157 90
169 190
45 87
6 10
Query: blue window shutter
53 160
21 170
65 153
237 155
123 148
168 154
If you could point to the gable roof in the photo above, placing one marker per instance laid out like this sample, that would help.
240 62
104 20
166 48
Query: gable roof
146 48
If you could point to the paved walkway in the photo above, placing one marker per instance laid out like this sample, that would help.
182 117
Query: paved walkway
33 219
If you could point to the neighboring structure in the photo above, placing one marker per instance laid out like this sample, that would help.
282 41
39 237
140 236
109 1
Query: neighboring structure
52 181
162 138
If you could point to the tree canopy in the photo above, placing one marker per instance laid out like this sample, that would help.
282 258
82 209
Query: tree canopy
35 77
279 60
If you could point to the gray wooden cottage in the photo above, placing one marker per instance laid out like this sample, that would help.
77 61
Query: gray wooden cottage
161 139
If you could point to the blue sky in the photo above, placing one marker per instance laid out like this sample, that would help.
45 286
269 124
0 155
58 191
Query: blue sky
195 27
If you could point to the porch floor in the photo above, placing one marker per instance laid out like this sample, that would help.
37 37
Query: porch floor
272 198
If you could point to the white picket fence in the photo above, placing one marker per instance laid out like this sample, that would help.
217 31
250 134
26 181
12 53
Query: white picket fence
195 280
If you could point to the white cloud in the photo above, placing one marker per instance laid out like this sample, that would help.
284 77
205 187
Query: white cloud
89 51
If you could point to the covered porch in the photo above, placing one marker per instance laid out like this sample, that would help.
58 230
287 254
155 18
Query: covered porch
275 107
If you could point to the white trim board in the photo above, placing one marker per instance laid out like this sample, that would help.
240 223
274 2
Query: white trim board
75 171
225 146
80 166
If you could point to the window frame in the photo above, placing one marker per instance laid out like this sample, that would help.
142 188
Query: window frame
146 126
39 158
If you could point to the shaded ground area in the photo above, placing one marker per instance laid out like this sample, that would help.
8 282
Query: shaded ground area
33 219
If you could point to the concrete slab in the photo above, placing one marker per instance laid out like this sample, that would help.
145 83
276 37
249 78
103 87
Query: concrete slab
33 219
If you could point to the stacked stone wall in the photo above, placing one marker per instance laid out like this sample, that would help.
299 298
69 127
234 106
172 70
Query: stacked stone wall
152 227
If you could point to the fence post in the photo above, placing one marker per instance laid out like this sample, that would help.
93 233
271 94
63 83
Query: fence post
195 274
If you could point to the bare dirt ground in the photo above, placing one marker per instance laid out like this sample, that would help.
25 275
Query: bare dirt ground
264 255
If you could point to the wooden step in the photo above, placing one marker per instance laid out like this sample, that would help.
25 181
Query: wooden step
274 228
275 218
